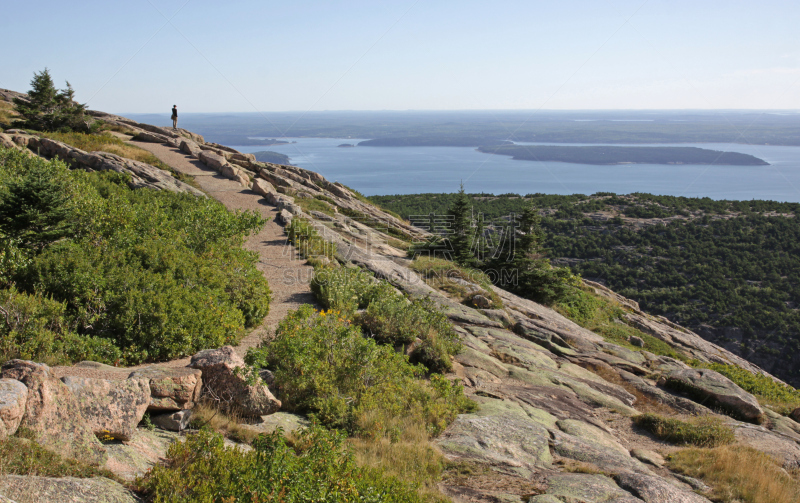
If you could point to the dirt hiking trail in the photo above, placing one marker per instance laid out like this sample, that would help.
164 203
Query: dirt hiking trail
288 275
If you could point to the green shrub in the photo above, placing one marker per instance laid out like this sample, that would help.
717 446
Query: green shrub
447 276
782 397
326 367
701 431
391 319
317 468
33 327
315 204
344 289
304 237
157 275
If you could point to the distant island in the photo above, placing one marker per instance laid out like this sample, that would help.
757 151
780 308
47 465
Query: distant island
624 155
434 141
273 157
346 145
245 141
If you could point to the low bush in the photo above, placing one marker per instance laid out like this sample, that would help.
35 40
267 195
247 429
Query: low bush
33 327
142 275
701 431
392 319
318 467
326 367
738 474
309 243
343 289
781 397
450 277
389 317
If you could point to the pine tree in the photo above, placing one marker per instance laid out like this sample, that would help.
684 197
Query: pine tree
460 235
48 109
36 209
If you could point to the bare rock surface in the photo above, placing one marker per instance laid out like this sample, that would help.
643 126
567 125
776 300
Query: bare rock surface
585 488
111 408
33 489
173 421
133 458
653 489
171 388
713 388
53 414
13 397
225 383
500 434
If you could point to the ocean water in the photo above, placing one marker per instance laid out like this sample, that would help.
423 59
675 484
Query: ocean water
413 170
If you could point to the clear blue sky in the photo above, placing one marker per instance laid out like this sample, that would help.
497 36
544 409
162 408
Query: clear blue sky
247 56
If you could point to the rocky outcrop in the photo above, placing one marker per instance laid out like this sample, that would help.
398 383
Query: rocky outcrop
224 381
53 415
174 421
142 174
13 397
717 390
652 489
65 489
171 388
584 488
111 408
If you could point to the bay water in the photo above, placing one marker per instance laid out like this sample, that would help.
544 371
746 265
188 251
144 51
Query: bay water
414 170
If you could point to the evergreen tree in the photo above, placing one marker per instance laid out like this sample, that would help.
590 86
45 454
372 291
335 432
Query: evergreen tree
460 234
36 209
48 109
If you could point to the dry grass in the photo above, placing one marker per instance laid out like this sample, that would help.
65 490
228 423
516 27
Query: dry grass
409 456
21 455
229 425
7 114
738 474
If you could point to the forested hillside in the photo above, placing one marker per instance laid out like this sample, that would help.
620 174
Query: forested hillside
726 269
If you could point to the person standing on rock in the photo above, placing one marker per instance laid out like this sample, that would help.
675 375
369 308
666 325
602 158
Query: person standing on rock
174 116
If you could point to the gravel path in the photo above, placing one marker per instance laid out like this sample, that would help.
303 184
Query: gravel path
287 274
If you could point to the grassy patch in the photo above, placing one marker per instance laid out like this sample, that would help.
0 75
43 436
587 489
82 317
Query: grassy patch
644 403
22 456
700 431
605 318
738 474
308 242
7 114
309 204
318 466
207 415
448 276
377 224
780 397
411 458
